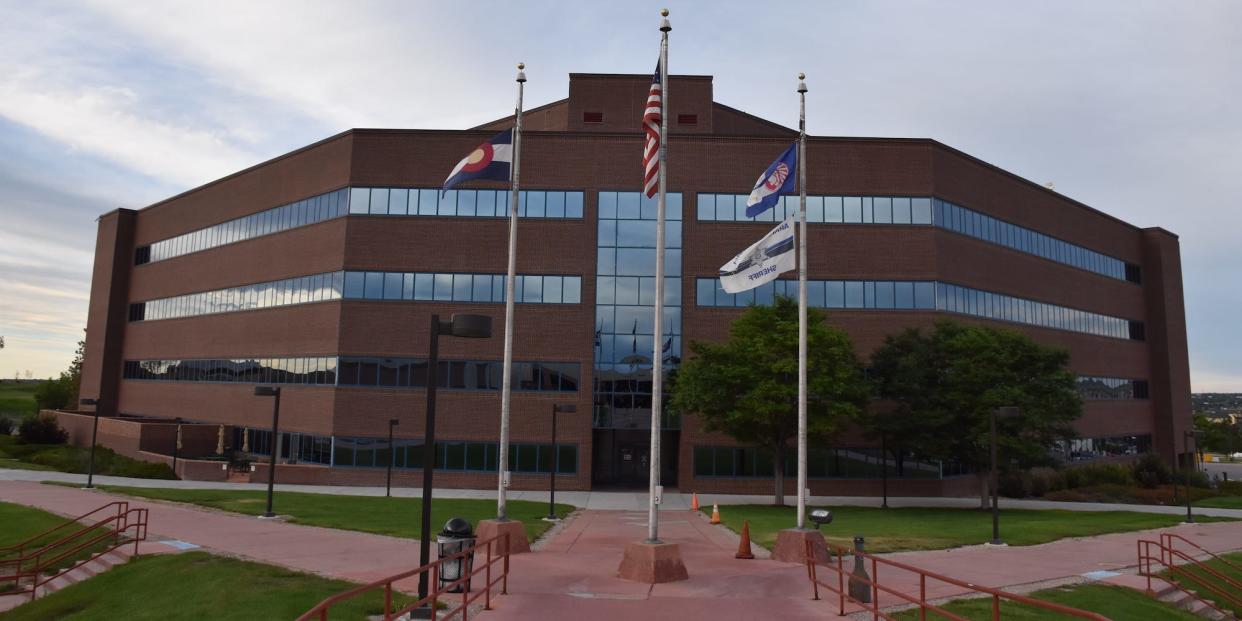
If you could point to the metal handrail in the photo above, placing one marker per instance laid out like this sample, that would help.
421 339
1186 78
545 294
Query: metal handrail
497 552
1166 558
120 505
32 566
873 582
1167 540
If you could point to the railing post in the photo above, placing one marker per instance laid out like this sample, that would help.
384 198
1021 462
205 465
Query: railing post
922 597
323 615
841 583
504 584
487 595
875 590
995 607
388 602
434 589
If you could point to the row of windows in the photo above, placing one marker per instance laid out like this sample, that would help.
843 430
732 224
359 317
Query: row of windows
464 203
529 289
989 229
315 288
408 454
359 371
821 209
363 285
901 210
1111 388
1087 449
636 206
918 295
300 213
710 461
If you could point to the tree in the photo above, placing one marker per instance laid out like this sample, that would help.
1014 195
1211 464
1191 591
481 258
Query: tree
1218 435
946 383
62 392
748 387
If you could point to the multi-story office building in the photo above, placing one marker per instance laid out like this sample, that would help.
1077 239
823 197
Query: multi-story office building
319 271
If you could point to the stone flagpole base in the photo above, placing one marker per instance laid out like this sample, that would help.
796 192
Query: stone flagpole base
517 535
652 563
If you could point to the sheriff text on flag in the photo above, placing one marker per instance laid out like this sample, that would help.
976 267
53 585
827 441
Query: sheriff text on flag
762 262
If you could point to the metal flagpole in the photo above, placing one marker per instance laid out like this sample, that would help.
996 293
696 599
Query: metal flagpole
657 359
802 302
507 375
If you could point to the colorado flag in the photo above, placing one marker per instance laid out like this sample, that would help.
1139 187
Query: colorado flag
762 262
489 160
779 178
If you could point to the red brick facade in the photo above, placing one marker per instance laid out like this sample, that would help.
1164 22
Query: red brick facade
721 152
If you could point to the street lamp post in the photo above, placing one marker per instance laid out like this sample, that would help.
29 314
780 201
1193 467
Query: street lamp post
1186 438
884 470
176 445
1002 412
90 468
392 422
567 408
271 391
461 325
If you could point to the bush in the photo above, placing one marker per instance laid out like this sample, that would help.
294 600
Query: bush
1230 488
1150 471
6 426
54 394
1044 480
41 430
1193 478
1098 474
1014 484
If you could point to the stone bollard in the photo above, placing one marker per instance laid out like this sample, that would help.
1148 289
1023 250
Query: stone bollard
860 589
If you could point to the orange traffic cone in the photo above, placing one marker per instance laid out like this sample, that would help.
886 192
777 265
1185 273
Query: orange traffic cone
715 513
743 546
694 501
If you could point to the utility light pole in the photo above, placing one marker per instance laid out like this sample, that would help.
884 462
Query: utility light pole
271 391
1002 412
90 468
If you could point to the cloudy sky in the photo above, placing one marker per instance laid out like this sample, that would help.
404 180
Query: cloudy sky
1132 107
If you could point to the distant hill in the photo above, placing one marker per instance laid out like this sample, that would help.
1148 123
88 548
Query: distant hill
1216 404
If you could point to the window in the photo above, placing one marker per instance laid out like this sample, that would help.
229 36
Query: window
592 117
687 119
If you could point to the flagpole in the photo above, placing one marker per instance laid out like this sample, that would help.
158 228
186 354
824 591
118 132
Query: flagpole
657 359
507 374
802 301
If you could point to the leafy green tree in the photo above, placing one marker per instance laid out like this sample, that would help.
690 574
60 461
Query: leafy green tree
1218 435
747 387
945 384
62 392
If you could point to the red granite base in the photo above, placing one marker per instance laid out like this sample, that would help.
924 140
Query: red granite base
791 546
652 563
517 535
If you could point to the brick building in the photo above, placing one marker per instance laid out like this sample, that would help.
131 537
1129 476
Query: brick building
319 270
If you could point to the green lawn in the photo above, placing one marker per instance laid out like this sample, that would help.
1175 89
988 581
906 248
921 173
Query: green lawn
194 585
21 523
891 530
1221 502
65 458
386 516
1203 577
17 400
1114 602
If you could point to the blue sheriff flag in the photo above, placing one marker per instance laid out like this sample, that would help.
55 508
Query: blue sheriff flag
779 178
491 160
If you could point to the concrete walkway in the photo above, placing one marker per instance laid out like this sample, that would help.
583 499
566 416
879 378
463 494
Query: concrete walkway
615 500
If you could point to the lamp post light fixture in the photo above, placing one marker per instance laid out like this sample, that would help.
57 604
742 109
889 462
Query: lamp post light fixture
392 455
460 325
1187 436
271 391
1001 412
176 445
567 408
90 468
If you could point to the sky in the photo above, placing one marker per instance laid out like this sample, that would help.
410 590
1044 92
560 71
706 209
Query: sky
1129 106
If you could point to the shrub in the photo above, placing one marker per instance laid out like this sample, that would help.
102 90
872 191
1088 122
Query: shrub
1230 488
53 394
41 430
1193 478
1150 471
1044 480
1014 484
6 426
1098 474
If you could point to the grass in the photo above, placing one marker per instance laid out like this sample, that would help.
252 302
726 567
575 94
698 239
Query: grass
194 585
21 523
1221 502
17 400
370 514
65 458
1203 577
1114 602
892 530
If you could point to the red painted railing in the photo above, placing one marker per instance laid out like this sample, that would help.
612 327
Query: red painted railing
874 585
497 549
1154 555
113 524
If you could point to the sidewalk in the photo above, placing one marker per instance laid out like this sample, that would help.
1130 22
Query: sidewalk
615 500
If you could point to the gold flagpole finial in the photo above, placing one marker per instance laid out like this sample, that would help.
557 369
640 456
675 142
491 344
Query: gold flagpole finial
801 76
663 12
521 66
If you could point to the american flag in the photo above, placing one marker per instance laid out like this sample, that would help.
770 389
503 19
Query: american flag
651 124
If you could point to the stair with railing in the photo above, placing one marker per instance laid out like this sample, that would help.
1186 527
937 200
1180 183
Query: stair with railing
71 552
1177 575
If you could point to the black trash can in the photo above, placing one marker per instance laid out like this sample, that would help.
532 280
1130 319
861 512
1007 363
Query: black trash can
456 536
